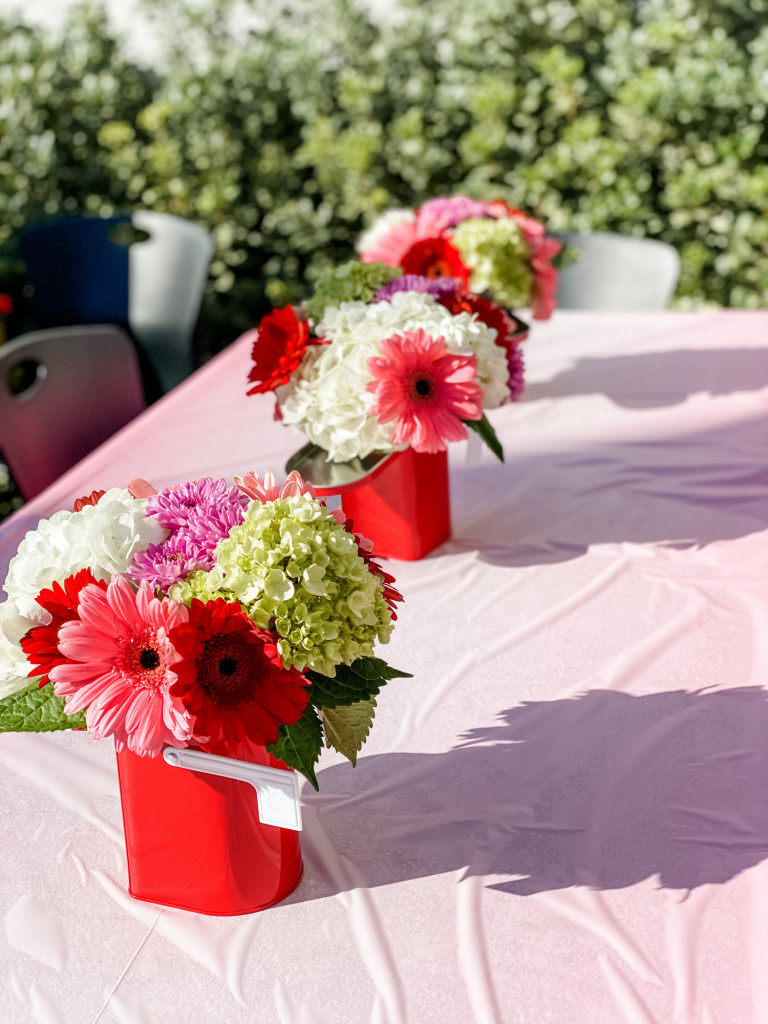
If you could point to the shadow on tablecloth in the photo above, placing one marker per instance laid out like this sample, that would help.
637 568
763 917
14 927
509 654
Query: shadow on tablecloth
653 379
682 491
603 791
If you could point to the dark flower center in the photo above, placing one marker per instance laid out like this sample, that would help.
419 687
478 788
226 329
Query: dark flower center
228 669
421 388
149 658
144 661
437 268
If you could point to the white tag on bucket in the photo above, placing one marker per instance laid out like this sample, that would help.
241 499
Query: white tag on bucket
277 789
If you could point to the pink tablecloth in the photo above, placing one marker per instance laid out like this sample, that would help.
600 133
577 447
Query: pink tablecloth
563 816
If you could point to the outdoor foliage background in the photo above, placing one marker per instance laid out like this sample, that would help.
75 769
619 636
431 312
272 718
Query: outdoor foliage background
285 139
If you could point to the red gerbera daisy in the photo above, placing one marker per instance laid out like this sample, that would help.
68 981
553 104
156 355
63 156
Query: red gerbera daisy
435 257
40 644
279 344
231 680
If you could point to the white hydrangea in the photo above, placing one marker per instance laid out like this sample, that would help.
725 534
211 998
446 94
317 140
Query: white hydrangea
13 665
382 226
327 398
102 537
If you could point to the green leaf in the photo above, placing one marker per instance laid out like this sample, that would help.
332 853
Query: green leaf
488 434
347 728
37 709
352 683
299 745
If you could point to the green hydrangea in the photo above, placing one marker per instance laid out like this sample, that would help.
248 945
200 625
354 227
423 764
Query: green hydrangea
294 569
498 257
353 281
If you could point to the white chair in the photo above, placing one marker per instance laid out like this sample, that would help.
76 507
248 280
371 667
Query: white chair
166 278
617 272
62 392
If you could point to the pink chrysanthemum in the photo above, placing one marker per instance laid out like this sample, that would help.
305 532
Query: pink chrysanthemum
425 389
172 560
121 665
267 490
444 212
179 506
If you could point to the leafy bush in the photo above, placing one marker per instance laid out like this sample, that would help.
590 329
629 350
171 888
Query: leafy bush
645 117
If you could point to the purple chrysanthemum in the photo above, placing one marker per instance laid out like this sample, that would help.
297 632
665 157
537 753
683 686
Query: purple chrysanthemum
180 506
437 286
516 365
173 559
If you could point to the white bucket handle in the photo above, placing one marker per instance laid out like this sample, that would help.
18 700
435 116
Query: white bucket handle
277 790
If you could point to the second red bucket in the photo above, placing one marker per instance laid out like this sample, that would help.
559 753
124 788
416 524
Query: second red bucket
195 830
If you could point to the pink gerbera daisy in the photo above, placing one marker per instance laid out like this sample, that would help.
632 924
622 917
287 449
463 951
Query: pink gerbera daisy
425 389
121 665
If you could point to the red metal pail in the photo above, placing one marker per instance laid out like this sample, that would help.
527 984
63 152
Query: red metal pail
194 840
403 506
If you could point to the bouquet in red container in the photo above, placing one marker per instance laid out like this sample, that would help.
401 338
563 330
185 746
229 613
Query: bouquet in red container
490 247
228 629
379 363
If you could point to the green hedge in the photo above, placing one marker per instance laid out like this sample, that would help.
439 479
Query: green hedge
640 116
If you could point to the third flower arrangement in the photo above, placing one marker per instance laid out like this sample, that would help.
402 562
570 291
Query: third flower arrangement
489 247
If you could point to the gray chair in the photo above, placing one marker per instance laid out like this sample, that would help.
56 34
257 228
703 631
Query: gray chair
617 272
62 392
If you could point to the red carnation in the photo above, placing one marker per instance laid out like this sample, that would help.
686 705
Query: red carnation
231 680
41 643
279 344
89 499
435 257
489 313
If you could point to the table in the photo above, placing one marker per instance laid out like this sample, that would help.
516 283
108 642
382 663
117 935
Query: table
563 816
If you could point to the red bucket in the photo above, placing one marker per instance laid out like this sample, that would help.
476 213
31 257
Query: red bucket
403 507
194 837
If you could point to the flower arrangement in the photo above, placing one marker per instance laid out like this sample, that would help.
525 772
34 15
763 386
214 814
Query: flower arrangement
207 615
378 360
489 247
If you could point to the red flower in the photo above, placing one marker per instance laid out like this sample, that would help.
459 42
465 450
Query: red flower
279 344
231 680
89 499
6 304
435 257
40 644
489 313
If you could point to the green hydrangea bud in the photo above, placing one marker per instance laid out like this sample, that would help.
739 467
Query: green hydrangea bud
498 258
351 282
294 569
